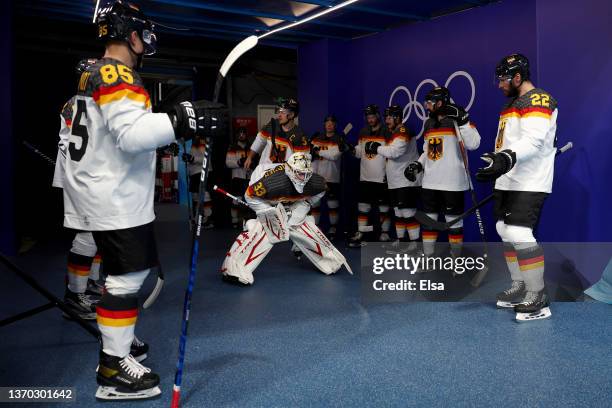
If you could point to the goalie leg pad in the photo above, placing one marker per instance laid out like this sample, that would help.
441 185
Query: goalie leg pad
274 222
317 248
246 253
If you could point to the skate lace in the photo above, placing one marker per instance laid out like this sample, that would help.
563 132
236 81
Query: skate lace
516 287
133 367
85 299
530 298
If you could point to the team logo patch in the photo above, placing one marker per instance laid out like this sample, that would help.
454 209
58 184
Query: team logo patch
499 140
435 147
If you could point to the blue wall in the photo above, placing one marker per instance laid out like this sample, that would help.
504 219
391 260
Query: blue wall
569 52
7 229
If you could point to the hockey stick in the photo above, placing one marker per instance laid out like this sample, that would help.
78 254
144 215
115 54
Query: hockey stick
424 219
233 197
240 49
480 275
38 152
188 192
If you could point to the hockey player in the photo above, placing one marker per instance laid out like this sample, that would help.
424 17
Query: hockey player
280 138
522 166
82 291
234 159
444 176
194 159
281 195
399 150
372 183
326 155
109 185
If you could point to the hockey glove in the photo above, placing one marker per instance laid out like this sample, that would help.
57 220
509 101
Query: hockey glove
241 162
498 163
371 147
188 158
184 120
314 152
454 112
412 170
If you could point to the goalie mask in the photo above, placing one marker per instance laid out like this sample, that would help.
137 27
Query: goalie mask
299 170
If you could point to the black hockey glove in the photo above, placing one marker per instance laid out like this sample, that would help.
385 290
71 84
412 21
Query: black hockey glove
314 152
412 170
497 164
188 158
454 112
184 120
371 147
241 162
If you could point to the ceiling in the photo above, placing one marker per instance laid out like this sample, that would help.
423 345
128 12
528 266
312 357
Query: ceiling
233 20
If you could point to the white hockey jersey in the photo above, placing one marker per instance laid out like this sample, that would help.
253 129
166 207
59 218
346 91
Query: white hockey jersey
528 126
400 149
64 136
372 166
442 162
328 163
234 153
110 164
286 143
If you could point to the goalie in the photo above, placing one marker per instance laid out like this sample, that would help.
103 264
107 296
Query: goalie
281 195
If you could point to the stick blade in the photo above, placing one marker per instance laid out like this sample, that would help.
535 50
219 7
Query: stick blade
429 222
154 293
347 128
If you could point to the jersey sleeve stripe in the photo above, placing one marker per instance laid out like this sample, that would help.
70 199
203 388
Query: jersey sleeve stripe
104 95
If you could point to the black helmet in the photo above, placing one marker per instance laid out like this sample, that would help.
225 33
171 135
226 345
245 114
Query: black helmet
83 65
439 93
116 20
330 118
511 65
395 112
289 104
371 110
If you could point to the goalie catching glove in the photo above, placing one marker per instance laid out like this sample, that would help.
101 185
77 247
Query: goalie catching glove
498 163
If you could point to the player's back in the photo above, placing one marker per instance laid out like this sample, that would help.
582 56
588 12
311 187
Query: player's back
109 177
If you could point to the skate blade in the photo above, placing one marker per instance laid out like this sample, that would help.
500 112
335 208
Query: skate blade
111 393
543 313
506 305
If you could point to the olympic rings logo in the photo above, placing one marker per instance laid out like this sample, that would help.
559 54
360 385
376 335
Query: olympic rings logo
415 104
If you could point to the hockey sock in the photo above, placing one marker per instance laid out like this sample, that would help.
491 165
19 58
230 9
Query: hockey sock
385 220
429 242
116 317
413 228
362 217
79 267
530 258
455 238
94 273
430 237
512 262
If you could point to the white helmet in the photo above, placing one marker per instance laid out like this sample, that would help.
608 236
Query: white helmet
299 170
